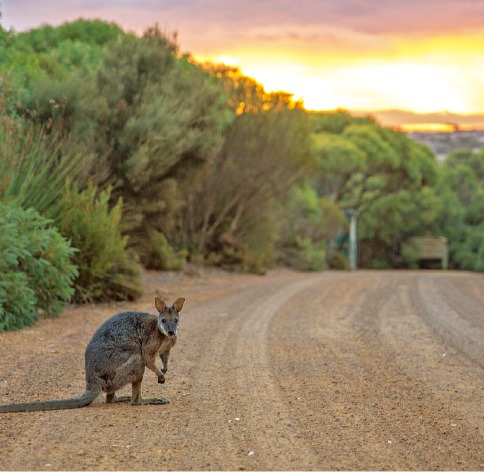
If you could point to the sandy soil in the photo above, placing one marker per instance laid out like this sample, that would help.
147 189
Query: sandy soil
288 371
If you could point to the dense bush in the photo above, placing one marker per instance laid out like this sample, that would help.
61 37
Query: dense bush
35 267
230 214
338 261
308 222
35 163
385 176
160 255
107 271
461 217
53 52
154 117
34 168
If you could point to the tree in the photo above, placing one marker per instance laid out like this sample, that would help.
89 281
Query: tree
307 222
461 219
52 54
156 116
231 214
382 174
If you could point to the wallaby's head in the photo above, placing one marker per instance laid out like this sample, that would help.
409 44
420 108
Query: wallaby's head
168 316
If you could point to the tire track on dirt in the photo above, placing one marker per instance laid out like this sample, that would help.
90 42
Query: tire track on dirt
378 366
423 408
268 427
454 315
239 371
331 379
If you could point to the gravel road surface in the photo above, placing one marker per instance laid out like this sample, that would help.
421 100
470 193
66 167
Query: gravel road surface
287 371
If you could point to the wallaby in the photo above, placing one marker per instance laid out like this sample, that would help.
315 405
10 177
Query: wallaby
117 355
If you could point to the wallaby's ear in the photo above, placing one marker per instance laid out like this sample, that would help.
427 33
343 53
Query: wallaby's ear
178 305
160 304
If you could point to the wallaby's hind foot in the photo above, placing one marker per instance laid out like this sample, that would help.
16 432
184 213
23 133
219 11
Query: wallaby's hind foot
137 400
152 401
113 398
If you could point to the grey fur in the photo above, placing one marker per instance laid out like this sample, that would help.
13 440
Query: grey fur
117 355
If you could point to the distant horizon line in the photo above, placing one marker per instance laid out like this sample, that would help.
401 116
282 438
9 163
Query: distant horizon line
411 121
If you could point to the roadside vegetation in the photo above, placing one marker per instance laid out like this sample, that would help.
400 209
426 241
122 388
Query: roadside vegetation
118 152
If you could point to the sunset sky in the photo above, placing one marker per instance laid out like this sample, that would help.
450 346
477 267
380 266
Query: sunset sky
422 56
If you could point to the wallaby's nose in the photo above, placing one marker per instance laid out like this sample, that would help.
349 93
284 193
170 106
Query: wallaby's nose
171 332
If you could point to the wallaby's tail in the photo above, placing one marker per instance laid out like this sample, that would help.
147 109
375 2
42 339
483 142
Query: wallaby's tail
85 399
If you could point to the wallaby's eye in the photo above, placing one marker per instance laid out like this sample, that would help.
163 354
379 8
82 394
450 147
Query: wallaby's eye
163 320
176 321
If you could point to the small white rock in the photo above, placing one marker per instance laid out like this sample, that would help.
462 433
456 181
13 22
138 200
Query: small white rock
251 453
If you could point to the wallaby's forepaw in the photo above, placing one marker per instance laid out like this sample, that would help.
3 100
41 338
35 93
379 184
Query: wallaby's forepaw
161 379
164 370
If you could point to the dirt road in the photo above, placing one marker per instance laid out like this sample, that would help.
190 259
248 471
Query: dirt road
289 371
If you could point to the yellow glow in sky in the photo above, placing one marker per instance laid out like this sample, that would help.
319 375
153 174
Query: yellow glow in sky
423 56
422 75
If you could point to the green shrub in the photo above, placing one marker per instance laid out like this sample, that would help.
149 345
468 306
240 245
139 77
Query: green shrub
306 254
255 261
35 268
160 255
338 261
35 165
469 251
410 252
107 271
308 221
